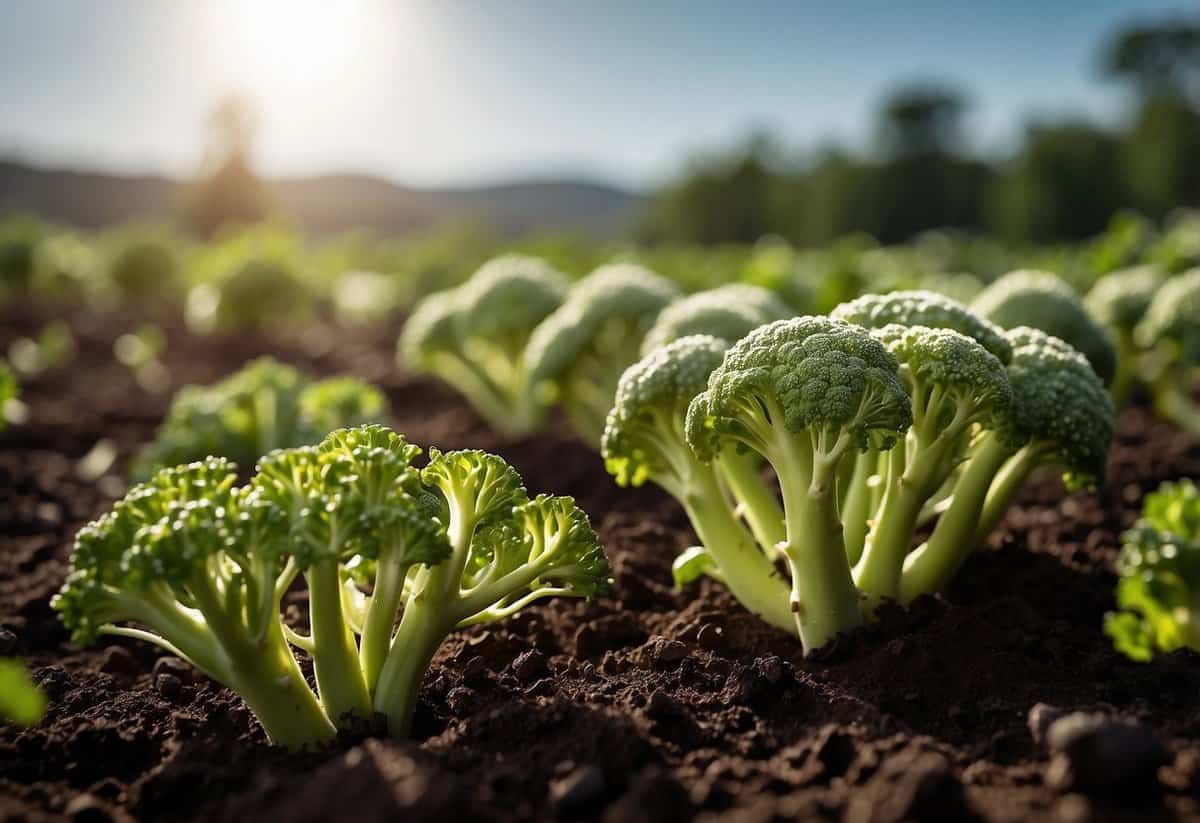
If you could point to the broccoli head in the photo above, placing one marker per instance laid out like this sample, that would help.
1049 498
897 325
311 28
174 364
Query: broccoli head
577 354
924 308
1169 334
474 337
727 312
1047 302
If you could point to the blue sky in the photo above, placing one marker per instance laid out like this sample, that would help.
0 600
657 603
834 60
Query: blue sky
437 93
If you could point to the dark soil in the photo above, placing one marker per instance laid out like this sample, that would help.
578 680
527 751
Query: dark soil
658 705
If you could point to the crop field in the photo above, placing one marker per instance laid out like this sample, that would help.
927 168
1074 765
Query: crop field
493 531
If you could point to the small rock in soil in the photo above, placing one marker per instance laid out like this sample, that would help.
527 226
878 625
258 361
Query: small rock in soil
577 791
118 660
8 642
666 654
168 685
711 637
530 665
174 666
1041 718
86 808
1101 755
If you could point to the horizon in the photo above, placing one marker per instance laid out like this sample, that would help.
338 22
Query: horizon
404 91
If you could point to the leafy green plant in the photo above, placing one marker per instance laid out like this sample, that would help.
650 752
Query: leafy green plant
575 356
1045 301
265 406
1158 594
197 565
474 337
20 700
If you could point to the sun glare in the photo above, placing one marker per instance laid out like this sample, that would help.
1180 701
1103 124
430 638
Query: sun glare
297 44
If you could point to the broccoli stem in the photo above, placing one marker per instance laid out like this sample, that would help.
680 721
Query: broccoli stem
751 577
380 620
423 627
1172 401
856 505
824 602
340 681
1126 375
932 565
268 679
758 502
1008 483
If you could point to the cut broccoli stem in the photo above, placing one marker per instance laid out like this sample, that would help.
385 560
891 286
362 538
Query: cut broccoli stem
824 601
934 564
340 682
1173 402
756 501
380 621
746 570
856 503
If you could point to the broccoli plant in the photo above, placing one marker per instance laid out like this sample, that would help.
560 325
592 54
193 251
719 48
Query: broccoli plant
1169 336
577 354
1045 301
265 406
645 440
474 337
8 392
1119 301
726 312
1158 594
197 565
804 394
1062 416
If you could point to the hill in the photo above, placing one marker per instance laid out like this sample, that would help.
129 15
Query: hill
326 204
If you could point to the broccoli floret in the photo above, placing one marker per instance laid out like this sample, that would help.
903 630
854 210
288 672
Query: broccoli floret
958 388
474 337
1062 416
200 565
577 354
804 393
265 406
726 312
506 551
924 308
1170 335
1158 595
1047 302
645 440
1120 300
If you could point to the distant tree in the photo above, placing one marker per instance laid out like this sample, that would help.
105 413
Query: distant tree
1159 58
227 189
922 119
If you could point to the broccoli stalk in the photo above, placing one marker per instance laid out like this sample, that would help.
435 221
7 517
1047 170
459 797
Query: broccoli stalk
505 552
577 355
1062 416
957 386
645 440
803 394
1119 301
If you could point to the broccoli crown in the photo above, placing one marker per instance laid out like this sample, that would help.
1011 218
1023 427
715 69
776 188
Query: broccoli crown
1174 316
547 531
945 361
605 303
264 406
655 392
1159 564
1119 300
924 308
482 485
729 312
817 372
507 295
431 327
165 531
1060 404
1045 301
